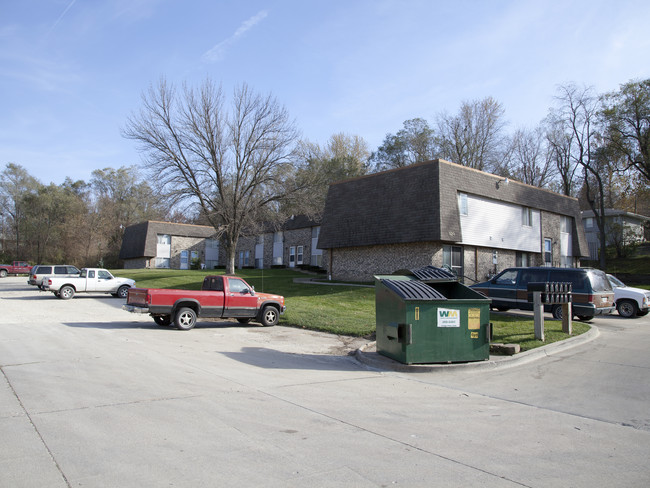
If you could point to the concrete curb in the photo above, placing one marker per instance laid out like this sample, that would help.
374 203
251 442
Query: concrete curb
376 361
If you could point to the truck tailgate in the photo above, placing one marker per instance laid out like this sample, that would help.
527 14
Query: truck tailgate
137 297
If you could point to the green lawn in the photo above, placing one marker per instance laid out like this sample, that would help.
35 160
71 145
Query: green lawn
345 310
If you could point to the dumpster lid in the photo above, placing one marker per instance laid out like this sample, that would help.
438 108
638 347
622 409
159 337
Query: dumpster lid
429 273
413 290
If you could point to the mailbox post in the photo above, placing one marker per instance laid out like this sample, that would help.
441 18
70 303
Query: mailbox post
551 293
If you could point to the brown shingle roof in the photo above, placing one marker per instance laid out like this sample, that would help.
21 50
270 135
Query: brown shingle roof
419 203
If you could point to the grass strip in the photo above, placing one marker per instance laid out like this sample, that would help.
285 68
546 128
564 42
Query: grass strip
336 309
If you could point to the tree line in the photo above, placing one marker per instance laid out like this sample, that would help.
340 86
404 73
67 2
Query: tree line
237 162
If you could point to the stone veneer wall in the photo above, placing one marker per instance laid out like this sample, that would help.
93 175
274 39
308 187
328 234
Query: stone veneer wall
137 263
361 263
550 229
298 237
185 243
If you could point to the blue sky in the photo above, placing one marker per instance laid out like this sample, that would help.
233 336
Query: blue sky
72 71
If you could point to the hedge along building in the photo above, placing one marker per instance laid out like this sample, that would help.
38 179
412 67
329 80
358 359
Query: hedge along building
440 213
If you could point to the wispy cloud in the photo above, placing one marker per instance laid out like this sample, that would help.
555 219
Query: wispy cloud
60 17
218 52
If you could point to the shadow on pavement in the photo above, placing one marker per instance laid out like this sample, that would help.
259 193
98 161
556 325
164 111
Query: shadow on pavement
262 357
152 325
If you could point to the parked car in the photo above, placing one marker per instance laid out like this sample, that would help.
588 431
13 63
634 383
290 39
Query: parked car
41 271
592 293
15 268
95 280
630 302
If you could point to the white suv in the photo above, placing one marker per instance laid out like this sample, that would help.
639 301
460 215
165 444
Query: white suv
630 302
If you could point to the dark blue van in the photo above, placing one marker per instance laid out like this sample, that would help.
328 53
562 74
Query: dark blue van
592 292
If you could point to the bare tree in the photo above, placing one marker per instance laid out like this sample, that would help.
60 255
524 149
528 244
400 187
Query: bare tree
474 137
626 115
233 164
578 111
120 199
559 142
531 158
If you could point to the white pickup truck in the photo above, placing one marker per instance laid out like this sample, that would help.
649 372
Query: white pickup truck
95 280
630 302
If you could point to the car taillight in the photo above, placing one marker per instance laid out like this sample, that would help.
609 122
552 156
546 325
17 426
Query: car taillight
590 298
148 300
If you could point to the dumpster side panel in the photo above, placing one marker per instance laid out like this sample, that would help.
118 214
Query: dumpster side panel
390 312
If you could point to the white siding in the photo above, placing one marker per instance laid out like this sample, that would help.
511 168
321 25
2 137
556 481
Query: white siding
495 224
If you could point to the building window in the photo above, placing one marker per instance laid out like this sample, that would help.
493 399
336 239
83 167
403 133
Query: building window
278 248
548 252
527 216
247 258
462 204
185 263
521 260
163 250
299 256
452 257
211 253
292 256
565 225
316 254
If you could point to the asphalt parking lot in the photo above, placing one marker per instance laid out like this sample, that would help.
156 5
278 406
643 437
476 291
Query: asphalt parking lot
91 395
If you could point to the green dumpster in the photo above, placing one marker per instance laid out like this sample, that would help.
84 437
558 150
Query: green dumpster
427 316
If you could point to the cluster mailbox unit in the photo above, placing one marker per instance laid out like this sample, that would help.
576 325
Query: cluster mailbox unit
428 316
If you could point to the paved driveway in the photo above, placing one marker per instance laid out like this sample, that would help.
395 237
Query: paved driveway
91 395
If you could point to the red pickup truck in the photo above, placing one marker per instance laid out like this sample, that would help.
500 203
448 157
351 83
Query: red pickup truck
18 267
219 297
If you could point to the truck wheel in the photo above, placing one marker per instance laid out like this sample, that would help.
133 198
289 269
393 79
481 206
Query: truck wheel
122 291
163 320
66 292
627 308
3 273
185 318
270 316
